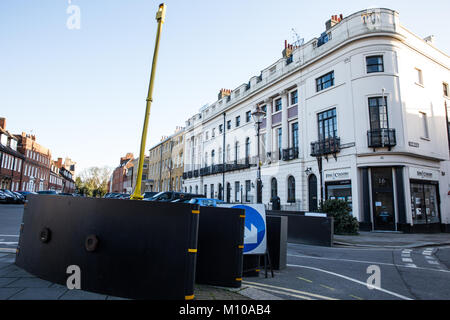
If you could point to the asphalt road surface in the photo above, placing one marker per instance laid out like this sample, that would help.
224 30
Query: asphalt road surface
321 273
10 220
343 273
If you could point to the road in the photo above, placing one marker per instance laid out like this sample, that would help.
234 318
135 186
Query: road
10 220
342 273
329 273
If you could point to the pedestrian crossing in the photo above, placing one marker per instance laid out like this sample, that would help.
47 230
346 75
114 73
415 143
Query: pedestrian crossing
424 258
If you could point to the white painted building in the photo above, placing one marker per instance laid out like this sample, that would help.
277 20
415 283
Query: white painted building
359 113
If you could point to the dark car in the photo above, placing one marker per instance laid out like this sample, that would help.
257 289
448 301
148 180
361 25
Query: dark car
20 196
171 196
10 196
66 194
26 193
149 194
3 197
111 195
47 192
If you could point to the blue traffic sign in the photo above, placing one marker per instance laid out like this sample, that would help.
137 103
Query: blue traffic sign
255 229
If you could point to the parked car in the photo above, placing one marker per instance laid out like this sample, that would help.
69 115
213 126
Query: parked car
3 197
47 192
172 196
10 196
205 202
20 196
66 194
26 193
149 194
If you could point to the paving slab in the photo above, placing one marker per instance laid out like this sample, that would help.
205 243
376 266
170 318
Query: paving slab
29 283
393 239
6 293
38 294
82 295
5 281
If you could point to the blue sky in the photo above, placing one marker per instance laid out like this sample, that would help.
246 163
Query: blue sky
82 92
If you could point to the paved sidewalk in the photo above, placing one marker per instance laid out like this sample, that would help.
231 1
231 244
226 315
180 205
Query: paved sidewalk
393 240
17 284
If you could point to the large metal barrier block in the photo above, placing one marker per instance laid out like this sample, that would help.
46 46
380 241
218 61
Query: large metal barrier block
220 246
125 248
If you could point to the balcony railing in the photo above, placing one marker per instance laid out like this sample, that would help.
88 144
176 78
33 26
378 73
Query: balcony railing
325 147
290 154
381 138
240 164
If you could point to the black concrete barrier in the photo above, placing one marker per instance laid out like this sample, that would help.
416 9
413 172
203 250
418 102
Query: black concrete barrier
125 248
220 246
277 233
306 229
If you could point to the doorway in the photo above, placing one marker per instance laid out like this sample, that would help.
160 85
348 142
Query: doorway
312 192
228 192
383 199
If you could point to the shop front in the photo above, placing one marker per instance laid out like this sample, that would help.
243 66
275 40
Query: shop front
425 202
338 185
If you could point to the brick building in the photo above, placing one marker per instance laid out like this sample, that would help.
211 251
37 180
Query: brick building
37 162
55 181
66 174
119 174
11 160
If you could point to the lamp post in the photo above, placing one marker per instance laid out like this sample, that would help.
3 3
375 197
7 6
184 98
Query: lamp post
257 115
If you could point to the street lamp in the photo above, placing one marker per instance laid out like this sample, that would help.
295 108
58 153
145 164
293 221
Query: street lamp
258 115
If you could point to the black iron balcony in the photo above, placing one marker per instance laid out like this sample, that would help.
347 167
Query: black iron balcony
190 174
196 173
184 175
381 138
324 147
290 154
205 171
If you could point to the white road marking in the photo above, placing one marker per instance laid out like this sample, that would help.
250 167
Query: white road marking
433 262
9 235
371 262
289 290
353 280
8 243
411 265
407 260
407 250
278 291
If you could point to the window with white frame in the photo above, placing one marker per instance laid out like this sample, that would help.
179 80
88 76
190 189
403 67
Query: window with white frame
424 120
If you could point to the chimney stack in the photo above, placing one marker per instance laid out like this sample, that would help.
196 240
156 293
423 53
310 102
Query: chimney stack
224 93
3 123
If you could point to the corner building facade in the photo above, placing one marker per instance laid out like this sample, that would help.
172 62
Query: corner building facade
359 114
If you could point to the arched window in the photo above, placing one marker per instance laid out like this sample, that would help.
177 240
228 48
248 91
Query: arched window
206 159
291 189
213 155
190 189
236 151
273 188
228 153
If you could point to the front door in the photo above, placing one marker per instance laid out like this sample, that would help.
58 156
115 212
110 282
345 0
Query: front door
228 192
383 199
312 192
